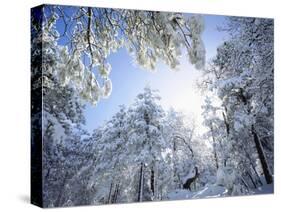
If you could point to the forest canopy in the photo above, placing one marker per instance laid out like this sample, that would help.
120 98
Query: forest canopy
91 35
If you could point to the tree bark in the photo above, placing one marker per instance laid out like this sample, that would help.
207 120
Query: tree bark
59 199
216 159
109 195
225 121
252 180
152 181
140 194
214 146
253 167
227 127
262 158
244 182
115 195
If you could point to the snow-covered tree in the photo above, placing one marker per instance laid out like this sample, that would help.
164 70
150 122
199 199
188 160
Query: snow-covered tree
133 156
241 75
179 138
148 143
61 118
91 35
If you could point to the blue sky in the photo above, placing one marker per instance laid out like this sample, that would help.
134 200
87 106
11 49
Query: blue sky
177 88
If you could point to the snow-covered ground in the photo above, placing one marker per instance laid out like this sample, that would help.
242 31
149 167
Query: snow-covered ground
208 191
212 191
266 189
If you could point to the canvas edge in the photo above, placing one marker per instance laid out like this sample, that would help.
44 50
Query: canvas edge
36 186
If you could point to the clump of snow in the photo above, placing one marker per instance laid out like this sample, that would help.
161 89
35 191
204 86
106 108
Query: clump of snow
107 89
58 133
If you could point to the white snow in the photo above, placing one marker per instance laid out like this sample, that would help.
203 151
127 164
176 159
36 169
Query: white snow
226 177
209 191
212 191
266 189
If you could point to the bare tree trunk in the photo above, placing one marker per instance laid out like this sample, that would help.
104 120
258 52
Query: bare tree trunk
140 194
216 159
244 182
115 194
176 177
253 167
226 121
110 194
227 127
214 146
256 173
152 181
156 188
265 168
252 180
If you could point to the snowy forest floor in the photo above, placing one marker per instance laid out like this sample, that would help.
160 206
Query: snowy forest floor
212 191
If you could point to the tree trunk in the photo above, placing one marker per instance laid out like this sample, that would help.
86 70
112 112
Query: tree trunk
253 167
244 182
262 158
252 180
110 194
227 127
115 195
225 121
140 195
152 181
61 192
216 159
257 175
214 146
156 188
